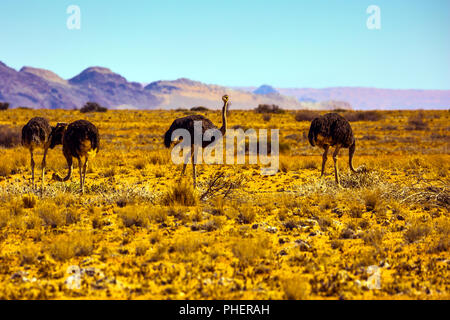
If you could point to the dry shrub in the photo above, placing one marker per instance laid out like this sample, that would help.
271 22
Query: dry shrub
267 108
215 223
371 200
370 137
373 237
64 199
179 213
29 201
158 253
199 109
296 288
296 137
284 147
72 216
92 107
324 222
28 254
291 223
155 237
97 221
425 193
142 216
122 201
347 233
180 194
443 245
218 207
266 117
247 214
159 173
12 161
158 157
306 115
16 207
417 122
134 216
157 214
353 116
298 163
67 246
4 106
309 164
356 210
141 248
9 137
5 169
140 164
363 179
442 227
51 215
110 172
187 244
250 250
416 231
4 218
221 184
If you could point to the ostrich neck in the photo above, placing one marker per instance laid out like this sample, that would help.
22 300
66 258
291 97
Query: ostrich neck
223 129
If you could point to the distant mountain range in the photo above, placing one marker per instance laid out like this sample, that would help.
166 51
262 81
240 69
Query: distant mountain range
39 88
367 98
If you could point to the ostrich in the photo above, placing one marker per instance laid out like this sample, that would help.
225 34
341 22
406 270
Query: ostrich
79 139
35 134
188 124
332 130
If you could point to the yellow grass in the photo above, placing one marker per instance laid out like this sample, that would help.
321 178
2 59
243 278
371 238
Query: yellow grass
146 234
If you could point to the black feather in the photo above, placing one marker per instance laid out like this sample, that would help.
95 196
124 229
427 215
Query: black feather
334 126
36 131
187 123
77 132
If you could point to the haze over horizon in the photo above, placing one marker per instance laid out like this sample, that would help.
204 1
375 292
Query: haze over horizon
287 44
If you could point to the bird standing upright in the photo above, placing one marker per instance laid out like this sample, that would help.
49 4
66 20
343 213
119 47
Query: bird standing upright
332 130
79 139
187 123
36 133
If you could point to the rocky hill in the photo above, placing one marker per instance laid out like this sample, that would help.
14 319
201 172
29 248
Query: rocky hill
39 88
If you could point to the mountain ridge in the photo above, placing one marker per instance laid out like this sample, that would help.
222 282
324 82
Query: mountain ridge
41 88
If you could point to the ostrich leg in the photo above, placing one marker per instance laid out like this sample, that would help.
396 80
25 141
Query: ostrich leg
32 167
44 163
351 152
69 160
84 171
186 160
193 169
324 159
81 176
335 159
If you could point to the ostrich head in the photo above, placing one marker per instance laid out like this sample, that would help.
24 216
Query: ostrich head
56 135
226 102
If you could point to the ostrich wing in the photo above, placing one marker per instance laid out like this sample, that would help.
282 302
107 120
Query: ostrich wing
187 123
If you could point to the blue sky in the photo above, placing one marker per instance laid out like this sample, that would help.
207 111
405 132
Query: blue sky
297 43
